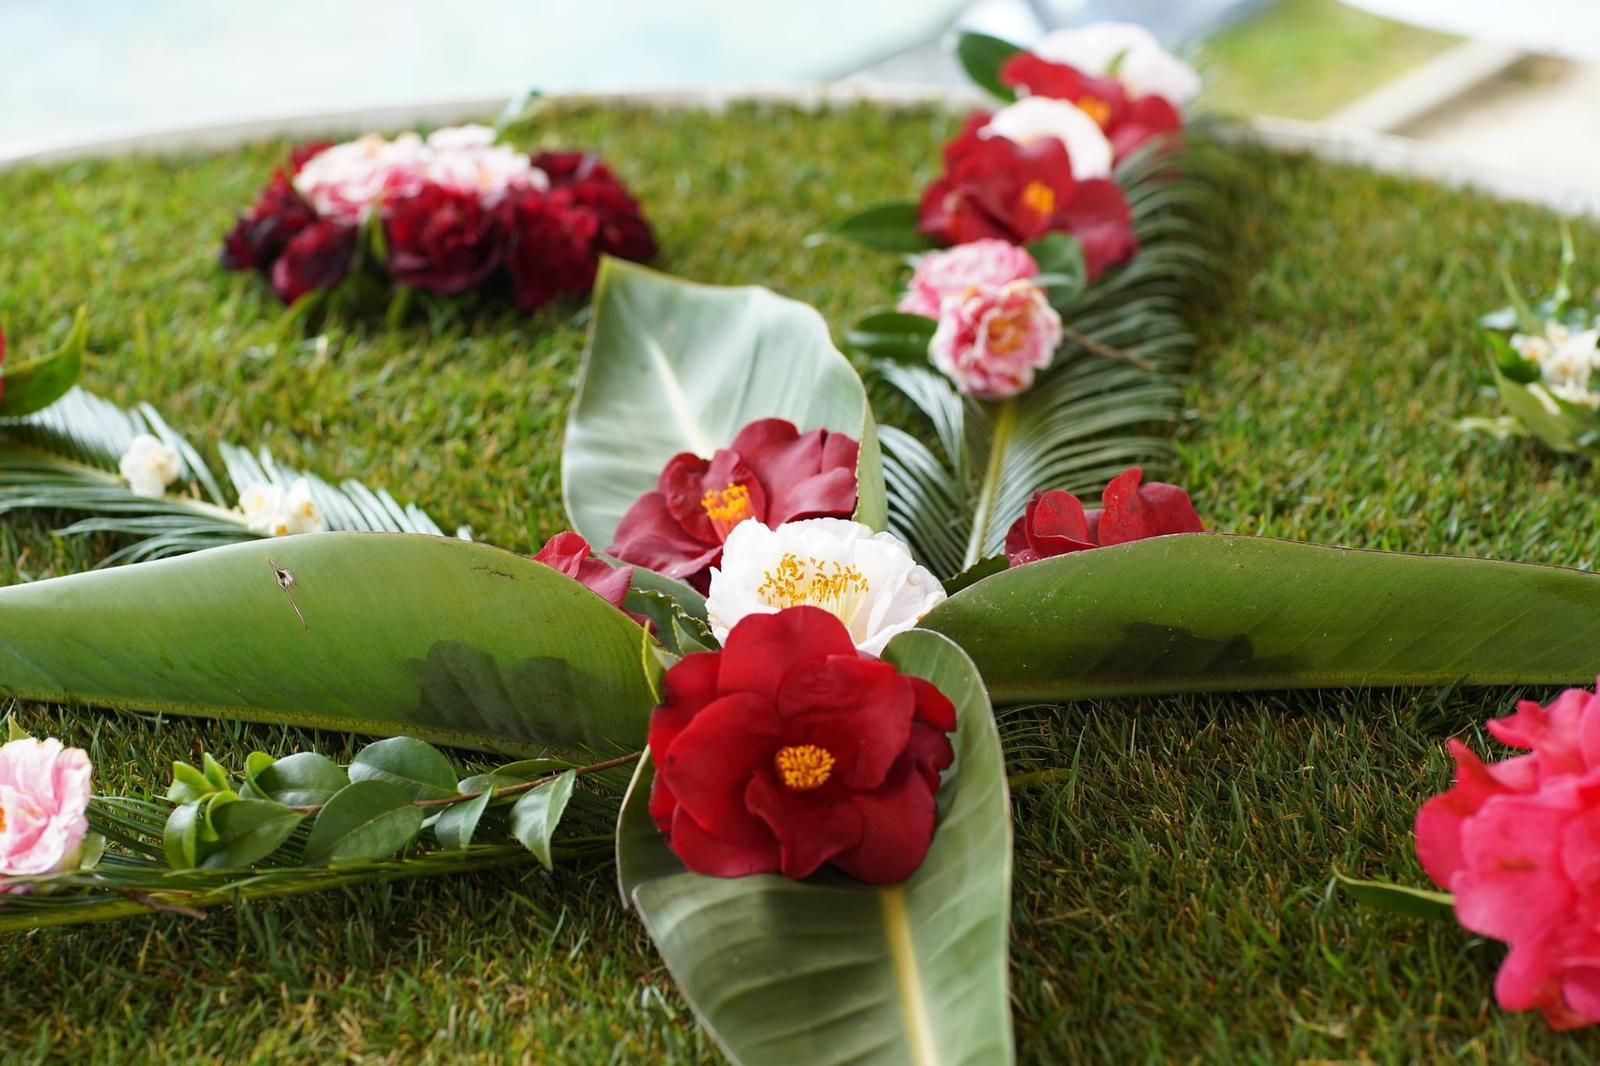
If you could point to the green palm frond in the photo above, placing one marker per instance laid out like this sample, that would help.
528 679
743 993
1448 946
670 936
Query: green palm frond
65 458
1086 419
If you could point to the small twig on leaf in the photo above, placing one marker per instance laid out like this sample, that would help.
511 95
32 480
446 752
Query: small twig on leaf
157 905
1106 351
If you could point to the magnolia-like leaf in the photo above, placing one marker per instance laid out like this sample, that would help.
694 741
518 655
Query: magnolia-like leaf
536 814
248 830
304 779
1216 613
26 387
416 767
672 366
886 227
456 642
982 57
365 820
1400 899
829 970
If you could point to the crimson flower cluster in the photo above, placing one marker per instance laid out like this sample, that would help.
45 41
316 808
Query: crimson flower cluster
542 241
1128 122
789 749
1056 522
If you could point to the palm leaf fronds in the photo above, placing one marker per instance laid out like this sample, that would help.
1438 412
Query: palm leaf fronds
65 458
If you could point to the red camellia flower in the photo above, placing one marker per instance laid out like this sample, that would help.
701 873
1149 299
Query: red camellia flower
317 258
441 240
1128 123
570 553
258 238
994 188
549 248
1056 522
771 472
789 749
581 180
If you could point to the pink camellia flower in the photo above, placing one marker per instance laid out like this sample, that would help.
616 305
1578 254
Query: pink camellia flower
1518 844
44 794
966 266
994 338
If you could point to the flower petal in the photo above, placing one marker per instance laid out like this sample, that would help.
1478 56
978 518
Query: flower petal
897 829
811 829
762 648
856 708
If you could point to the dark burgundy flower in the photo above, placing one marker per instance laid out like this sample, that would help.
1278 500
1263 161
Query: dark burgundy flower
305 153
570 553
1128 123
259 237
994 188
550 248
771 472
789 749
317 258
581 180
1056 522
441 240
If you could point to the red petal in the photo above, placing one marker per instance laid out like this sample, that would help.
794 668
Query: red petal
810 475
897 829
1055 523
1133 512
663 804
763 648
712 758
683 488
858 709
1147 117
933 707
811 829
707 853
1040 77
650 537
1097 214
687 688
930 753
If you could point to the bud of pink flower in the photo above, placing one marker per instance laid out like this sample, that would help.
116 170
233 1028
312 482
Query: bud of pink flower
966 266
995 338
44 794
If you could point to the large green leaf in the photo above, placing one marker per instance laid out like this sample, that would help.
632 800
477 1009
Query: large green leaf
1209 613
829 970
456 642
674 366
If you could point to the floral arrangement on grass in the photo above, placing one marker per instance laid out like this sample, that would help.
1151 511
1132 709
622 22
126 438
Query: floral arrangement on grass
772 700
446 214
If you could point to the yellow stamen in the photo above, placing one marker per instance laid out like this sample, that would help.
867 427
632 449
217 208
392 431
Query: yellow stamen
804 766
795 582
1008 333
1096 109
726 507
1039 198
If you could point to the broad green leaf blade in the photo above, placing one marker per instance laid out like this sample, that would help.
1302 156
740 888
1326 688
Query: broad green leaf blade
886 227
1401 899
455 642
366 820
536 815
416 767
673 366
249 830
304 779
982 57
1216 613
831 971
457 824
36 384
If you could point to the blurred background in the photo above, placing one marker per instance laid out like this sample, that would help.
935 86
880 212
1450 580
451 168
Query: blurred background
1510 86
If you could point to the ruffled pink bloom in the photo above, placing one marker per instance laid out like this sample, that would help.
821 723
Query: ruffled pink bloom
44 794
1518 844
951 273
995 338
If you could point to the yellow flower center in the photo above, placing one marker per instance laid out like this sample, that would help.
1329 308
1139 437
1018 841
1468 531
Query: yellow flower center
794 582
1096 109
804 766
1039 198
726 507
1008 332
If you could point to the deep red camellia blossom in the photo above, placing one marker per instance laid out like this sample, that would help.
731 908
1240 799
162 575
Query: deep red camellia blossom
582 180
771 472
550 248
789 749
1056 522
1128 123
317 258
441 240
258 238
994 188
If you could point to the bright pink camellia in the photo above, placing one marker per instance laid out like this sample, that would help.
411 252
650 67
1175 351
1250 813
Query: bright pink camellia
44 794
993 339
789 749
771 472
1128 122
1518 843
954 271
1056 522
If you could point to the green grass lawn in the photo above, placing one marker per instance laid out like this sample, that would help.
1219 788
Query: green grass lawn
1172 900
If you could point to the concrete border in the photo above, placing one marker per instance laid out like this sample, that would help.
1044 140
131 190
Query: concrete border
1377 151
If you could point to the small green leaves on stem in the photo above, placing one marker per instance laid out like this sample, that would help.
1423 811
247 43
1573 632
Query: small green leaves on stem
369 819
535 816
886 227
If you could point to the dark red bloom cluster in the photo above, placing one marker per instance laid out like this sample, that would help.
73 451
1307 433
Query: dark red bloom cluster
771 472
1056 522
790 749
546 243
1128 122
993 187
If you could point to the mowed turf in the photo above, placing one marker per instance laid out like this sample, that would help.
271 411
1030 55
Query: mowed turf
1173 899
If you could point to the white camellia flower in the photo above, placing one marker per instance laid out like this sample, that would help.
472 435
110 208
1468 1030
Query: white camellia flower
1567 361
868 580
1125 51
274 512
1034 117
150 465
